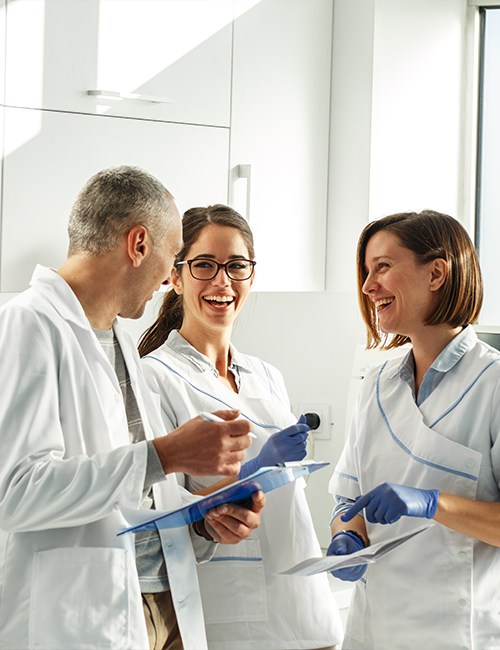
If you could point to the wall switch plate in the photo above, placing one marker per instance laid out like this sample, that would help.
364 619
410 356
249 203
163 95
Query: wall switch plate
323 432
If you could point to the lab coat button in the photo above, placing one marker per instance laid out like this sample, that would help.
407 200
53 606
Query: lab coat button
470 462
462 603
462 555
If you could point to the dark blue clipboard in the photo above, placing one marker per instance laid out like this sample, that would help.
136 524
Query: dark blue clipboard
265 479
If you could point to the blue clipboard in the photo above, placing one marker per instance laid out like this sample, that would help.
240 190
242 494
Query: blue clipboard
265 479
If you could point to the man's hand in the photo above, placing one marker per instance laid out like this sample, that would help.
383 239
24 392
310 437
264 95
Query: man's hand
230 523
205 448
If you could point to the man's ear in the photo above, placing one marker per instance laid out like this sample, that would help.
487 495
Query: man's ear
176 281
138 243
439 273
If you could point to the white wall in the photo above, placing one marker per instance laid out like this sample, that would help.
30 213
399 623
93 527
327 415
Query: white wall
311 338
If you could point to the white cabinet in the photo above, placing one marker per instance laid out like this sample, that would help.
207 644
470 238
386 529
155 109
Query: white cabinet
173 50
49 157
279 137
251 94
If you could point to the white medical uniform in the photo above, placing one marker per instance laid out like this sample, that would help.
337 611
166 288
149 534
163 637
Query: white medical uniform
246 606
440 590
67 582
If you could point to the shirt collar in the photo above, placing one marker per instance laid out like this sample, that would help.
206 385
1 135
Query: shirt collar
178 344
448 357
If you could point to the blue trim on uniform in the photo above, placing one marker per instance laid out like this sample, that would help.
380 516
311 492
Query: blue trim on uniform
203 392
347 476
236 558
268 378
464 393
405 448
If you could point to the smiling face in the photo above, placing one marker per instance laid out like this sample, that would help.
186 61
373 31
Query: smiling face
402 291
213 304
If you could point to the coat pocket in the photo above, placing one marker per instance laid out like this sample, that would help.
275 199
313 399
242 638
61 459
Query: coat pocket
80 599
233 584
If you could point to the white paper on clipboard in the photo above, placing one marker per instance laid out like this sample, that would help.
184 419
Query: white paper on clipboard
368 555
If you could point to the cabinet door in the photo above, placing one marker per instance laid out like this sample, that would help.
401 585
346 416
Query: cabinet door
49 157
279 137
57 50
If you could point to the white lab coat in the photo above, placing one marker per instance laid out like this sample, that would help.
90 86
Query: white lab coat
246 606
440 590
67 582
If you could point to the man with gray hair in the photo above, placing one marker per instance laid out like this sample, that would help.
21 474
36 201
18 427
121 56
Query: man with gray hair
82 444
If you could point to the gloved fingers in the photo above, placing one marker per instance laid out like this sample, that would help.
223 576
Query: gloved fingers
293 430
338 547
356 508
375 512
344 543
302 419
393 513
350 574
299 431
379 514
298 438
297 452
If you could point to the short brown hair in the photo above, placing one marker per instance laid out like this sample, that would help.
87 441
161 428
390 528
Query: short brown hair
429 235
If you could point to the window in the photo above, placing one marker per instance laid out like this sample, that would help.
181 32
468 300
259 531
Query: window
488 181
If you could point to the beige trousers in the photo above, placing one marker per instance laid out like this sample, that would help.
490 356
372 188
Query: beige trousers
161 622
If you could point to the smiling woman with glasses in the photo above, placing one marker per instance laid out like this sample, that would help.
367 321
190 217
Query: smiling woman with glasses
191 364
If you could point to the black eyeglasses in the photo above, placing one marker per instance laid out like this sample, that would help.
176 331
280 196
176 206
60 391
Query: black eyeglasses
202 268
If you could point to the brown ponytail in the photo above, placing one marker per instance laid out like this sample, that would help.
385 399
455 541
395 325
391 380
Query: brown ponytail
169 318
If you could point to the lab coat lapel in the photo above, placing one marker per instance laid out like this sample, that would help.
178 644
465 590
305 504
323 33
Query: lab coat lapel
107 394
407 430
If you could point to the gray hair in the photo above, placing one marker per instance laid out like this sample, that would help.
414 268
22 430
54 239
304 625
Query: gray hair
111 203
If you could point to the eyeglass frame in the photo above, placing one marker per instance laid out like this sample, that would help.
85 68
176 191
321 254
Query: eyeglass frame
219 267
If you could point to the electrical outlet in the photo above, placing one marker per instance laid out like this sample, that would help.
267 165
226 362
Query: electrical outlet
323 432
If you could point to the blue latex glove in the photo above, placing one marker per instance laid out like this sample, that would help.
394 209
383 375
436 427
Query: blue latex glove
345 543
283 446
388 502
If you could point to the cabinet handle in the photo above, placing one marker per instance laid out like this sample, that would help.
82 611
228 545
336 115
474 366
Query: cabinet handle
113 94
245 172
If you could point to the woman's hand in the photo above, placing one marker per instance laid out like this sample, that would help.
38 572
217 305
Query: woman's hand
283 446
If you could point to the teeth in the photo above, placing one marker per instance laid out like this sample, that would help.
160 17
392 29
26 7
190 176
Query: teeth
383 301
219 298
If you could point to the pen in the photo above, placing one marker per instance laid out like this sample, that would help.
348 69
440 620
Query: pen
210 417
